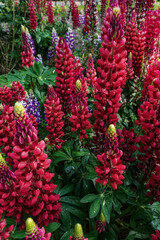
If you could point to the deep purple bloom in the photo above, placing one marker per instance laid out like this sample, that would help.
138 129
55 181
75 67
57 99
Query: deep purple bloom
70 39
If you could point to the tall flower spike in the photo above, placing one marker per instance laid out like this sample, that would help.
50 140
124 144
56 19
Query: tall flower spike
31 42
112 75
91 74
101 223
5 235
30 165
65 74
50 12
27 53
111 168
54 117
70 39
78 233
74 13
32 15
33 232
80 112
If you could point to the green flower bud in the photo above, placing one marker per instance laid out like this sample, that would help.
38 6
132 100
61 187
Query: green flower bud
19 110
116 11
78 85
78 231
30 225
23 28
111 131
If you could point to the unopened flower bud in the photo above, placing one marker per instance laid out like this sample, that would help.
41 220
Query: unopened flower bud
19 110
116 11
111 131
78 231
78 85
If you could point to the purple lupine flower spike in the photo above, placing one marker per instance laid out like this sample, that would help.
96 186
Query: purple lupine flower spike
31 42
54 38
50 54
70 39
7 177
81 19
32 106
39 59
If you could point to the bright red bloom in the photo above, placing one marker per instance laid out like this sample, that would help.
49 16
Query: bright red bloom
15 93
111 168
5 235
156 236
27 53
80 112
7 130
130 34
50 12
138 52
34 232
30 164
90 17
123 7
32 15
54 117
112 75
91 74
74 13
65 74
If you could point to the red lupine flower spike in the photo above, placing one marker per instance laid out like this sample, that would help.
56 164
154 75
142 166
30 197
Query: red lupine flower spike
74 13
50 12
54 117
156 236
65 74
112 77
101 223
27 53
32 15
91 74
111 168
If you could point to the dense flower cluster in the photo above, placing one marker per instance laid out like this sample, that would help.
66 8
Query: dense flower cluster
65 74
54 117
123 6
33 232
149 115
130 34
5 235
91 74
15 93
74 13
80 112
27 53
32 106
111 168
30 165
90 17
50 12
32 15
112 77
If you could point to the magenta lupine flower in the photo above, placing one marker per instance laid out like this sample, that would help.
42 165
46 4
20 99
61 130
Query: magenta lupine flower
111 168
50 12
34 232
112 75
7 177
91 74
101 223
4 234
32 15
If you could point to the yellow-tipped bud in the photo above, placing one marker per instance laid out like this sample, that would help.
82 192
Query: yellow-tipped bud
1 107
23 28
30 225
78 231
19 110
78 85
101 217
2 161
111 131
130 55
116 11
90 55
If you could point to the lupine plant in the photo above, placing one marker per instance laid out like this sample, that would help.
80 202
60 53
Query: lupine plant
80 129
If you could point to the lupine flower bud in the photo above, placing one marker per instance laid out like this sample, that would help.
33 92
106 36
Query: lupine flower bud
78 233
78 85
33 232
101 223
